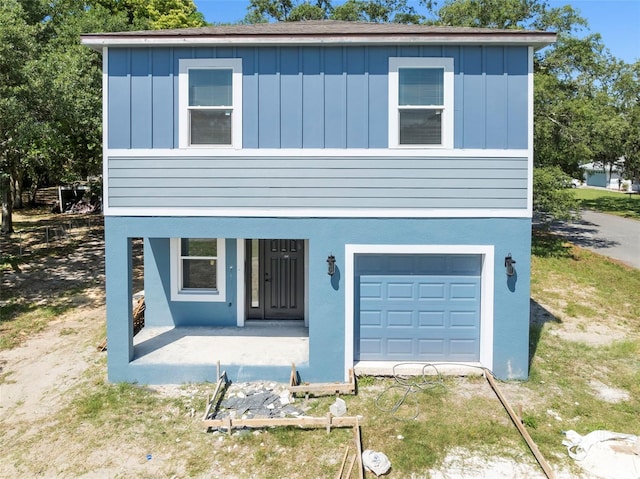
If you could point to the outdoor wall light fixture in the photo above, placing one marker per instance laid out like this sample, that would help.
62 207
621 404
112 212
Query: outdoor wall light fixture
331 261
508 263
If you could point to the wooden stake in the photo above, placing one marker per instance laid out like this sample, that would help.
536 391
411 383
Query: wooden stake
358 440
353 461
514 417
344 461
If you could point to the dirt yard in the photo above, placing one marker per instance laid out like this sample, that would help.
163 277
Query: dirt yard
49 377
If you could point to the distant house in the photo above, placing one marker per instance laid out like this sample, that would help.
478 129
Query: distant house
367 185
597 174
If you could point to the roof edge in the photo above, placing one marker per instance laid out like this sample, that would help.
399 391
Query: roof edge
530 38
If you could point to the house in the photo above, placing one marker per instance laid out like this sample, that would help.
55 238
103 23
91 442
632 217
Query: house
329 194
610 176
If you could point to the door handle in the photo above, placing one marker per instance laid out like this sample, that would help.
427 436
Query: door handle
266 278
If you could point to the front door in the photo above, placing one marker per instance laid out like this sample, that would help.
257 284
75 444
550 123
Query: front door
275 272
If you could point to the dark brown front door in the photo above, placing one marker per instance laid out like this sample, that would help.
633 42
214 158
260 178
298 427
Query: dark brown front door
275 272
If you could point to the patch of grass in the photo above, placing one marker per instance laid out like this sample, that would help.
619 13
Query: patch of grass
20 321
576 310
617 203
589 283
548 245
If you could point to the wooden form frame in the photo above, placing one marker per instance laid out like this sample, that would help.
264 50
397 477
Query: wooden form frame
319 389
228 423
328 421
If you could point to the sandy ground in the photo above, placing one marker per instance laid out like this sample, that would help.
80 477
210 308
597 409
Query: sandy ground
35 379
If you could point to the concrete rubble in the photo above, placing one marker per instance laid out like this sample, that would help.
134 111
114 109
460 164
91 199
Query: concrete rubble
247 401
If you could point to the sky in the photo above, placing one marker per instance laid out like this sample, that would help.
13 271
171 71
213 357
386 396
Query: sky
617 21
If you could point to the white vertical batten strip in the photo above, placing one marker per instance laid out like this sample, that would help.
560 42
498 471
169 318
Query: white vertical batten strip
105 131
240 289
530 132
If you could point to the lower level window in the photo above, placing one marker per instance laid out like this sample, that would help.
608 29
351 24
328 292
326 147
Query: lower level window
197 269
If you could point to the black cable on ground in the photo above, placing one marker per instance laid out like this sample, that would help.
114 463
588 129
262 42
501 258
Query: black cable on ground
407 385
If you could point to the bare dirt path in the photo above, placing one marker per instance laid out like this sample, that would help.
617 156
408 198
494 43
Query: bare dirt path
38 374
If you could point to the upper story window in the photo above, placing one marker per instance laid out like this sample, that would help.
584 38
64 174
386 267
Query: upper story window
420 102
198 269
210 102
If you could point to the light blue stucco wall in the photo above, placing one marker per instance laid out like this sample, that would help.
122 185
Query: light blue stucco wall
159 307
326 294
318 97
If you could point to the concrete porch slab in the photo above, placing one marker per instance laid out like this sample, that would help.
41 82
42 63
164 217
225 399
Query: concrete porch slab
264 343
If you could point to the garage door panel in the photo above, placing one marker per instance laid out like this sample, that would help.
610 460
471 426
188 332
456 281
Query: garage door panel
371 319
427 317
431 291
430 319
371 290
400 347
371 347
400 291
463 319
431 349
467 290
400 319
463 350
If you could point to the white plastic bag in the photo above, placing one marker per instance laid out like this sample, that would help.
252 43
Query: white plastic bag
578 446
375 462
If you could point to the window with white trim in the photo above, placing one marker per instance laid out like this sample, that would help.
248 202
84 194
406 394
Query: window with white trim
197 269
420 102
210 92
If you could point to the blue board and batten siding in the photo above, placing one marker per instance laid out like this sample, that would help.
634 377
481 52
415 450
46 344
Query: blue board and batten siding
319 97
308 182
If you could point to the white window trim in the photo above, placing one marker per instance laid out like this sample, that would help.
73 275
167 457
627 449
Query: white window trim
185 64
486 291
210 295
395 63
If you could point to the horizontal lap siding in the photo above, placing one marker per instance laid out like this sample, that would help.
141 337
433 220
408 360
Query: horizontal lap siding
318 97
468 183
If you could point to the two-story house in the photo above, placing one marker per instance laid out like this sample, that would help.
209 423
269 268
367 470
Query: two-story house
331 194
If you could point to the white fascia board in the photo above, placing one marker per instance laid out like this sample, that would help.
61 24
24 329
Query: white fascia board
537 41
318 212
315 152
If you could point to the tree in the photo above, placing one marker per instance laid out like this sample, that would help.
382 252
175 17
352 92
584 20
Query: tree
17 46
352 10
50 86
552 199
485 13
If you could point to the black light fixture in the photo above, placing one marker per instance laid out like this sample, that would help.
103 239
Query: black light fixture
508 263
331 261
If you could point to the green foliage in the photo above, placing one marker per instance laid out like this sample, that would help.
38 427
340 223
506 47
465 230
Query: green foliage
552 200
486 13
352 10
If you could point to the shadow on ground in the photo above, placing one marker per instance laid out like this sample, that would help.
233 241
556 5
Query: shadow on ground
538 317
581 233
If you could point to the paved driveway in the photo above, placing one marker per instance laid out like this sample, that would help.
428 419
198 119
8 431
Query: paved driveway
608 235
